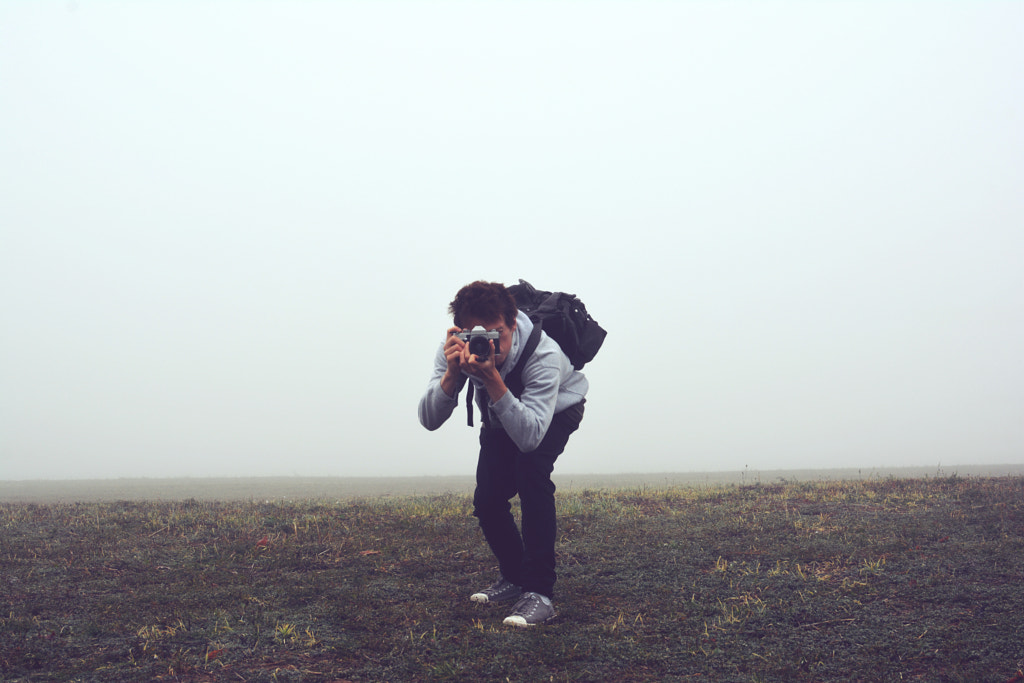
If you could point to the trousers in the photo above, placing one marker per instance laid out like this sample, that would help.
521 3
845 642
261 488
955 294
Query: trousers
525 558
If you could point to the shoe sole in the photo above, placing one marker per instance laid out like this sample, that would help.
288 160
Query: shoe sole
519 622
484 598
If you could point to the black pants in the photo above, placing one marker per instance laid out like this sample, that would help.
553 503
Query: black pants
503 471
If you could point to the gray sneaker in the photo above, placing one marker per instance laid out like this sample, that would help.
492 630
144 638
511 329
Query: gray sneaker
499 591
532 609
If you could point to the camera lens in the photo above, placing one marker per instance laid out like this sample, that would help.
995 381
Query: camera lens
480 346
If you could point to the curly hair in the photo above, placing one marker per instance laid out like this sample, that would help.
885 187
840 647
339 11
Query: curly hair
483 301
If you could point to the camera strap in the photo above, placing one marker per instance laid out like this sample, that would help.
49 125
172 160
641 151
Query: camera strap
484 413
469 406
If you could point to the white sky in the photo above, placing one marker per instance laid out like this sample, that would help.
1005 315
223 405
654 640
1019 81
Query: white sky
229 231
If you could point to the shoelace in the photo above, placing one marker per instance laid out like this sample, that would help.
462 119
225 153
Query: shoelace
520 607
499 587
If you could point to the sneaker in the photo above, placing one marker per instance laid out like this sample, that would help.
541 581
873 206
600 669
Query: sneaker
532 609
499 591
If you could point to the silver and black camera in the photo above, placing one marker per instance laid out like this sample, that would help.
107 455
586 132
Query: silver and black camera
478 340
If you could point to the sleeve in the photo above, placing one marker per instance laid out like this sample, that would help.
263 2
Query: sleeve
436 406
526 419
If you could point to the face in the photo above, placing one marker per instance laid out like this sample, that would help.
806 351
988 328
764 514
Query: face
504 330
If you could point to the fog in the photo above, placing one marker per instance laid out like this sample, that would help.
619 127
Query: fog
229 231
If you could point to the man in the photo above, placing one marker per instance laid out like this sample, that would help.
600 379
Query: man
524 431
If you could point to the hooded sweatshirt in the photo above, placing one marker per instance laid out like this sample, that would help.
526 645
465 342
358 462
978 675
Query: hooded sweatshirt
550 385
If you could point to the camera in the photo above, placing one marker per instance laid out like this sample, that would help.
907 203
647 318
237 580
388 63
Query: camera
478 340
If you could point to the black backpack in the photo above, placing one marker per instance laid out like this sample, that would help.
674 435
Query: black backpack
565 319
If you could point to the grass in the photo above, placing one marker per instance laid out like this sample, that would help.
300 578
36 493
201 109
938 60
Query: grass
880 580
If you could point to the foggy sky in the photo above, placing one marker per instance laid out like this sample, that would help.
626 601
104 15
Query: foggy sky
229 231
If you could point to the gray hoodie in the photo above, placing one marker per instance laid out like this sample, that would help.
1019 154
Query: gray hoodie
550 386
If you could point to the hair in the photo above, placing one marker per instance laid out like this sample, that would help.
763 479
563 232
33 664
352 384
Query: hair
483 301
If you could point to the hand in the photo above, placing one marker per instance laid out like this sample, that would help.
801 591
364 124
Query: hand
453 353
485 371
475 366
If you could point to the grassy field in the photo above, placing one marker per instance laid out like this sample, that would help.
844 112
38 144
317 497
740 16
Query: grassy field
878 580
343 488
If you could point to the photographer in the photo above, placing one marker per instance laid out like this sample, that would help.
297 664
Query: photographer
520 439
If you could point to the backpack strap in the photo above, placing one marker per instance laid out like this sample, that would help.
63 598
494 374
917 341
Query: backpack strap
514 378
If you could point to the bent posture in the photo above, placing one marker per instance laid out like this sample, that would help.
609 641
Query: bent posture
531 400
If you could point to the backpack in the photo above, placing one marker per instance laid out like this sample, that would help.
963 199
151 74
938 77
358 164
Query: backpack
565 319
